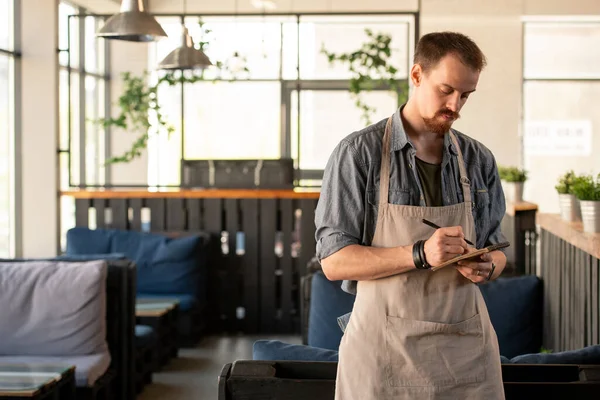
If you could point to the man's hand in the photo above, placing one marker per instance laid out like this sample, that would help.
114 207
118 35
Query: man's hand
445 244
476 269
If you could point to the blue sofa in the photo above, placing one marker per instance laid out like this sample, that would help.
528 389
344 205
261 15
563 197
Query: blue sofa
514 305
173 268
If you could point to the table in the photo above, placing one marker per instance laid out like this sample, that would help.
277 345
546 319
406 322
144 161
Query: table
162 315
37 381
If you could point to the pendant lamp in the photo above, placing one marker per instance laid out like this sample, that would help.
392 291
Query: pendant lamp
132 24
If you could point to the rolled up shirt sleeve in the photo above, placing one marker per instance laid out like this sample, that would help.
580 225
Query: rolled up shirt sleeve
497 206
339 216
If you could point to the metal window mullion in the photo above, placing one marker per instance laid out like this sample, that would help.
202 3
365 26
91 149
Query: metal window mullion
82 101
298 116
10 53
17 179
107 112
284 134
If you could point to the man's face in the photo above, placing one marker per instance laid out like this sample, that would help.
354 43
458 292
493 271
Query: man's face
442 91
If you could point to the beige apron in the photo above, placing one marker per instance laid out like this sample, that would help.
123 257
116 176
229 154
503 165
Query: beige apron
420 334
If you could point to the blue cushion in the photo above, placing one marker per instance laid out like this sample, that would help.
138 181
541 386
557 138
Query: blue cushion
90 257
144 335
186 301
327 302
276 350
515 308
87 241
587 355
164 265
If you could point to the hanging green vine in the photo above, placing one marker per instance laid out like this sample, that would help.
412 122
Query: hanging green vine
139 106
371 69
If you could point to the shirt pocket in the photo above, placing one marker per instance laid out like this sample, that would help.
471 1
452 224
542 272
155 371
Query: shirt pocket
397 196
481 198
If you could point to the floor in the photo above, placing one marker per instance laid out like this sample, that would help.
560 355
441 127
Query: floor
193 375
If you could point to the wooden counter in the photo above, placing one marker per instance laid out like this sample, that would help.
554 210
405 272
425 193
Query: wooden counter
194 194
571 232
513 208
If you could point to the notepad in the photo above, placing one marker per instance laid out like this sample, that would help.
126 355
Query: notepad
474 254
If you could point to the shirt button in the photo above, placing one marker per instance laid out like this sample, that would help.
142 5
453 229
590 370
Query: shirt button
410 165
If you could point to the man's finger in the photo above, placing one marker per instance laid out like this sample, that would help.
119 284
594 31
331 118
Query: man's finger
455 241
486 257
453 231
453 249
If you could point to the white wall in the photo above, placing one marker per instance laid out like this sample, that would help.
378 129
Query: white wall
39 135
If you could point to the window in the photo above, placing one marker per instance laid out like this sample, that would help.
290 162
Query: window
7 128
82 93
291 103
561 85
82 98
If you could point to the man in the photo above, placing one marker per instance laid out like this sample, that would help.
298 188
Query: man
415 333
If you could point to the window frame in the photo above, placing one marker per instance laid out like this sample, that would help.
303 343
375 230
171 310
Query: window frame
286 84
14 159
525 80
82 74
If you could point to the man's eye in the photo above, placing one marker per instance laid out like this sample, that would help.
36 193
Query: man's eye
446 91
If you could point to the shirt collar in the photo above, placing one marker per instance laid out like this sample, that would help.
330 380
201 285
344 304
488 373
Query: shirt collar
400 139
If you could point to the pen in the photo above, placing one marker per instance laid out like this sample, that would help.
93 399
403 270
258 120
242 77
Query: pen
431 224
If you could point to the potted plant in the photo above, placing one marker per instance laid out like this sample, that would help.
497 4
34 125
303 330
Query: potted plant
568 203
587 189
513 179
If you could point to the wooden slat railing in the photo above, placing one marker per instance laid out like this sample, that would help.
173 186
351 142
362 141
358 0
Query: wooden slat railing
265 239
570 269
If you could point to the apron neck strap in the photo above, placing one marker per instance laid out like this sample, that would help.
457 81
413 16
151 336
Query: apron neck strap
384 172
464 180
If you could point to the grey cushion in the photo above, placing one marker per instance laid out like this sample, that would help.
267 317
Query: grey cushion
87 368
50 308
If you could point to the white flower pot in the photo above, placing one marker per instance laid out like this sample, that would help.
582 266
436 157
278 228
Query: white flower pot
513 191
590 215
570 209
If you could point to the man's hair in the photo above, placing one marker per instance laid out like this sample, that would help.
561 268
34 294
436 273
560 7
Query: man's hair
432 47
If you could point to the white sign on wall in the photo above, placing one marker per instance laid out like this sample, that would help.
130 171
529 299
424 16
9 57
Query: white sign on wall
558 138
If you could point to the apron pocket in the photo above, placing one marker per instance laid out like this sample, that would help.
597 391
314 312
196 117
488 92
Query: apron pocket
422 353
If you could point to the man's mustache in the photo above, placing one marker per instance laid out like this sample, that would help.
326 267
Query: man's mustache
449 113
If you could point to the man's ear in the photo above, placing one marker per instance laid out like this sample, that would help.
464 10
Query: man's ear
416 75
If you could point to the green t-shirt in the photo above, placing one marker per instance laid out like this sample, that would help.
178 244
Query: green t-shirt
431 181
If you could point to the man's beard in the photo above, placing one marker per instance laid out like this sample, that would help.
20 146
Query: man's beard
439 125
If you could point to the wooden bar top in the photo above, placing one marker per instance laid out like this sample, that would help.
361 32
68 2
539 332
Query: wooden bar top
571 232
193 194
513 208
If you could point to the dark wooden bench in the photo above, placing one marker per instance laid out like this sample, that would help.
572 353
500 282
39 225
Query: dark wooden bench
298 380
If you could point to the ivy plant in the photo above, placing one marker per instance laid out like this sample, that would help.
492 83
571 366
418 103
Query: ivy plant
139 107
371 68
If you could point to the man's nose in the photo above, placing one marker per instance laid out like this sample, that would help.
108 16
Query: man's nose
453 103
